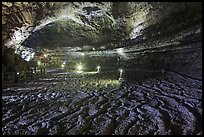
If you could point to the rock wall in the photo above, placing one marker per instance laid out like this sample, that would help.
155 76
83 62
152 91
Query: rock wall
157 35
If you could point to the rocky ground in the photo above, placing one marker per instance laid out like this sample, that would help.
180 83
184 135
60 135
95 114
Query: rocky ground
70 104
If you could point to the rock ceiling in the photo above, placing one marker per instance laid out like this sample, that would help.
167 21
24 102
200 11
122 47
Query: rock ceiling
33 26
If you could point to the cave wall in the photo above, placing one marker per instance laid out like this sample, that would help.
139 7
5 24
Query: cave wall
187 62
14 17
19 18
160 22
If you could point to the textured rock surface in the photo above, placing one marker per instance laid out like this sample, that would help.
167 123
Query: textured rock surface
156 35
68 104
16 17
157 44
106 22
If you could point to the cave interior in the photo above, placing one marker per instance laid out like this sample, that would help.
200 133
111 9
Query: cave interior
102 68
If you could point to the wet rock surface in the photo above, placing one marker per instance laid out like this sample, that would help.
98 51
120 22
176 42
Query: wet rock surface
91 105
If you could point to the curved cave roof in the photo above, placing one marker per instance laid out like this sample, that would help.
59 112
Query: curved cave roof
130 30
67 24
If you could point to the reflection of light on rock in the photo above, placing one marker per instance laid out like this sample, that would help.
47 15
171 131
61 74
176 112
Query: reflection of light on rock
120 51
26 53
30 56
43 23
79 71
136 32
64 14
18 37
82 54
95 13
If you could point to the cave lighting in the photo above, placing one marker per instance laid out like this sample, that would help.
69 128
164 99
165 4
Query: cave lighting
121 72
18 73
45 55
39 63
62 66
79 68
64 63
120 51
98 68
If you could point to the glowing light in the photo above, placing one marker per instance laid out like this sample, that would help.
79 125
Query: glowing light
39 63
62 65
18 73
121 72
45 55
33 72
82 54
98 68
79 67
120 51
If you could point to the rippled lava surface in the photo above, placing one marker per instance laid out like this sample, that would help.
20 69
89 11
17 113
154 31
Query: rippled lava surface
71 104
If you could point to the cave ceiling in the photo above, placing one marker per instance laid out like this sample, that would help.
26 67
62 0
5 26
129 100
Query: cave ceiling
100 25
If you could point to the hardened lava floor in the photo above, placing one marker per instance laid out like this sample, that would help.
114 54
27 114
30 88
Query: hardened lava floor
71 105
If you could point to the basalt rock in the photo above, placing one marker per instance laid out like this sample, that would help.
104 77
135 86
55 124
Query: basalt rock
150 32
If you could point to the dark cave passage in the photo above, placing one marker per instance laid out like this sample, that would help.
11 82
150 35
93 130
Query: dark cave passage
101 68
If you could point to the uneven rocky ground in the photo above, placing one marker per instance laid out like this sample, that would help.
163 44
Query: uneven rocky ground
68 104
